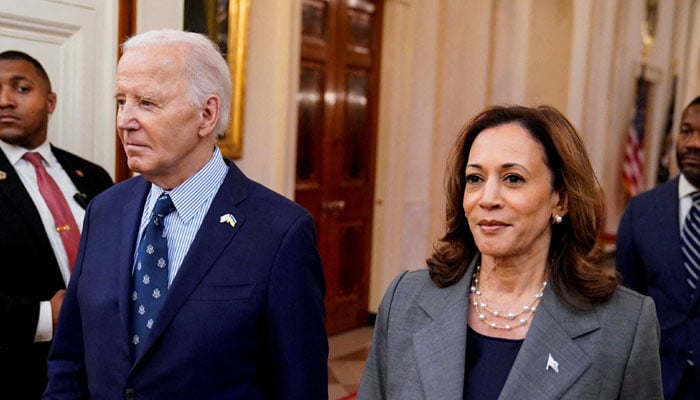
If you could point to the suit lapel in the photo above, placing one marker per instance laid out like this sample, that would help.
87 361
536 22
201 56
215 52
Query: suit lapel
76 175
441 362
211 240
664 234
11 186
552 333
130 218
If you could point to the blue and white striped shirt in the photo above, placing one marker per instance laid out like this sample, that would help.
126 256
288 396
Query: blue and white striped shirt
192 199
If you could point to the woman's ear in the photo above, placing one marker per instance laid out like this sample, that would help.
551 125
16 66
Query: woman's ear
562 206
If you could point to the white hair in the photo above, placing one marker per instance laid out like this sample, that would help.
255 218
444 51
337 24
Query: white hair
207 70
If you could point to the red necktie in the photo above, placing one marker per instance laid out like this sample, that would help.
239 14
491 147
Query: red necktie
62 215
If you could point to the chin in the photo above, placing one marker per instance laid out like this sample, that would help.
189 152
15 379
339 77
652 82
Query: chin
12 136
492 250
692 174
134 166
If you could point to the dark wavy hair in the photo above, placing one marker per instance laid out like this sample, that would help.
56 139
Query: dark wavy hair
574 270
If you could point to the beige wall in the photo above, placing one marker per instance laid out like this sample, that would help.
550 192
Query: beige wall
549 53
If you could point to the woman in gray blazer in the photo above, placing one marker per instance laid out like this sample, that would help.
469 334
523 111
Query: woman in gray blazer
513 304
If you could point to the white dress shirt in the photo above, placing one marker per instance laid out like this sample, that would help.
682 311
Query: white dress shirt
27 174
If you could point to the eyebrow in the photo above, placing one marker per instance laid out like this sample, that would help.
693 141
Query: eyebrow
506 165
17 78
140 97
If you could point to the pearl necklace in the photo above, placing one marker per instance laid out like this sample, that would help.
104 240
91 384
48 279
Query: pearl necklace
482 308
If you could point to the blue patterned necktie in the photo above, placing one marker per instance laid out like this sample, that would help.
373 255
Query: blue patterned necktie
150 283
690 244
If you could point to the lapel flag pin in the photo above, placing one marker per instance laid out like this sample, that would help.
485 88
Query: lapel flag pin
3 175
229 219
79 173
552 363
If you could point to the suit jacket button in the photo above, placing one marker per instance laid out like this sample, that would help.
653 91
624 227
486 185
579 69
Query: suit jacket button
692 314
130 394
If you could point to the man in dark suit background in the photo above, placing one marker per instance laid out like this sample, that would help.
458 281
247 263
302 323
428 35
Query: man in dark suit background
233 300
34 265
651 261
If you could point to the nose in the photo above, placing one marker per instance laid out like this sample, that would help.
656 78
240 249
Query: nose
7 100
126 117
490 194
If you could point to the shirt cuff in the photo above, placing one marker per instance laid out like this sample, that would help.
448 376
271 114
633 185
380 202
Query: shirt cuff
44 328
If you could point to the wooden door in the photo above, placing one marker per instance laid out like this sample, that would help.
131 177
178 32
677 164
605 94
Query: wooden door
337 120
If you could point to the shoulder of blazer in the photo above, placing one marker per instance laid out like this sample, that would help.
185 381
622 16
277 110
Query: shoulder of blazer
414 289
256 198
73 160
88 177
666 192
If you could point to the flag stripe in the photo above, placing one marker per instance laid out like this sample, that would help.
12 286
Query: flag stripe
633 165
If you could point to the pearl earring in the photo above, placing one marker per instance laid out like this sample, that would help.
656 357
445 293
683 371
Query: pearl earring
558 219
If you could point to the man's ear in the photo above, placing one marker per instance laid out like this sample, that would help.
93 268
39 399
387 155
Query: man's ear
51 102
209 115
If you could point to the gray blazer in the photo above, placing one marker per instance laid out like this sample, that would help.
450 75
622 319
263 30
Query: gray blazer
610 351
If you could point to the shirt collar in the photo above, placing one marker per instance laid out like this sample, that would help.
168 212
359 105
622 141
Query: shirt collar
14 153
190 194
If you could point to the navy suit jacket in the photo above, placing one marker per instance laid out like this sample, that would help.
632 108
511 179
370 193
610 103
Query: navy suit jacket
648 256
29 273
243 318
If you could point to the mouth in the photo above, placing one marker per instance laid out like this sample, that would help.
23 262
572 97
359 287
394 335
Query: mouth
492 225
690 159
8 118
131 147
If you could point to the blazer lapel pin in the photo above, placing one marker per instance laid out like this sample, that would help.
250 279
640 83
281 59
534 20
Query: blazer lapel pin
552 363
79 173
3 175
228 219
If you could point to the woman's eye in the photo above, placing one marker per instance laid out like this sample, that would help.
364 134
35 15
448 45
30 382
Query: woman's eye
473 178
514 179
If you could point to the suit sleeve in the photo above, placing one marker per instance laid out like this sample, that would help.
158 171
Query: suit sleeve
297 348
642 378
373 385
66 366
627 260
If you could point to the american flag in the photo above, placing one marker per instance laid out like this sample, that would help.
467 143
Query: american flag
633 166
664 172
